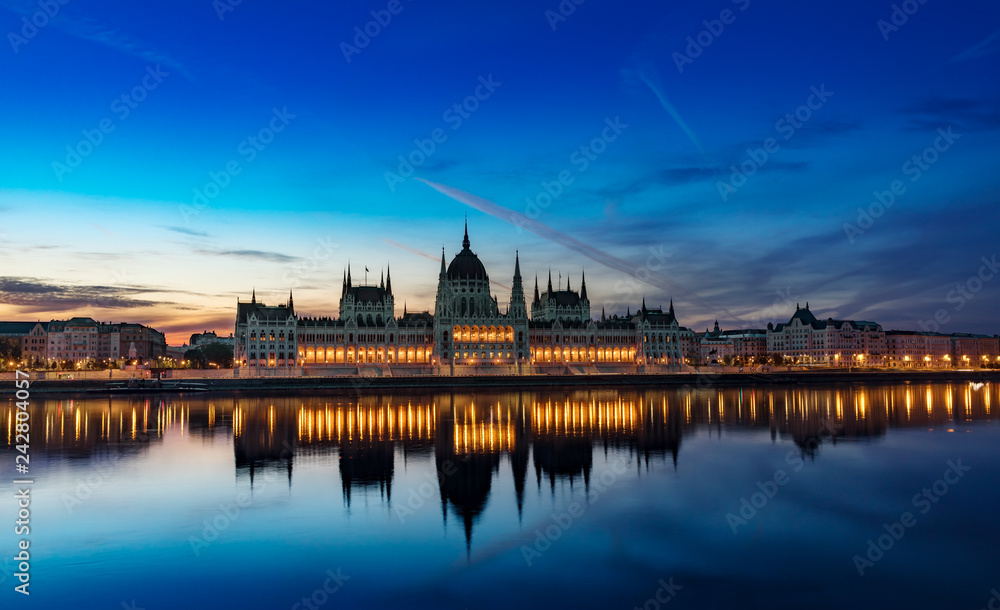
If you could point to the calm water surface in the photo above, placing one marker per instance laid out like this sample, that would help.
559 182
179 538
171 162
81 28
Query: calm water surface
761 497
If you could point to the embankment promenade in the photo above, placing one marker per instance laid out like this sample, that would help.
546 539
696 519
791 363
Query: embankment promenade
705 378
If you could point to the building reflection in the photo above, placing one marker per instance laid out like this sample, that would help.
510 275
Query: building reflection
469 438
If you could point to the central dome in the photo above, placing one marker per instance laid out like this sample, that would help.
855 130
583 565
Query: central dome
466 265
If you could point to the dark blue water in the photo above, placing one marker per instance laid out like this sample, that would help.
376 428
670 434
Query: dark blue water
767 497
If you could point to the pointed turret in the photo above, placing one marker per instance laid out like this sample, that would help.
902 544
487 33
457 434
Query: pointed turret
567 283
388 280
381 281
644 304
583 286
343 286
603 318
537 299
290 305
443 271
672 307
550 284
253 298
348 274
716 326
517 308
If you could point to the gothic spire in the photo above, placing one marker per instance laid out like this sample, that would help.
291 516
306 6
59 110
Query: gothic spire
550 283
388 279
381 281
517 265
441 276
348 273
290 305
536 288
671 306
253 299
583 286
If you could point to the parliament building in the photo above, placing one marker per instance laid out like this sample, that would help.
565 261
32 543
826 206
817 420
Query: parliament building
469 331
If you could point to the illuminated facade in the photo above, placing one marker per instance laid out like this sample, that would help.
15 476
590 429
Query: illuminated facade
808 340
910 349
265 336
468 330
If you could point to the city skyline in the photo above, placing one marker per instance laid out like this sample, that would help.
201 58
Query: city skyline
500 284
198 171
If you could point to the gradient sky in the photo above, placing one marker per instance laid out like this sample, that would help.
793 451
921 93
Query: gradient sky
121 237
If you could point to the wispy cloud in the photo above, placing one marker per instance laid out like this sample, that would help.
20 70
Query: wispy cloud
650 77
981 48
185 231
611 261
274 257
963 113
91 30
34 295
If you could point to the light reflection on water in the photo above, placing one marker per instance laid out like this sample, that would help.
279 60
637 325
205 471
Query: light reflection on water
533 499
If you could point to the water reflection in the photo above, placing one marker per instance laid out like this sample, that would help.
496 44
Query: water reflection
468 436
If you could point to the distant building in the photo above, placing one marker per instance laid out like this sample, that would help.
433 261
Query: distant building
911 349
808 340
149 343
209 337
266 336
34 343
972 351
31 336
82 339
749 345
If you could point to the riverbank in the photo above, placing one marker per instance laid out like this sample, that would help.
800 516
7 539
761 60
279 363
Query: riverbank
703 379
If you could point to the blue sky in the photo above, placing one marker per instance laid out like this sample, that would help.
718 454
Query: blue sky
122 235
